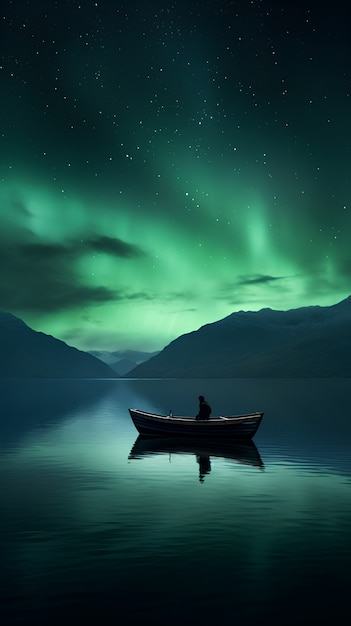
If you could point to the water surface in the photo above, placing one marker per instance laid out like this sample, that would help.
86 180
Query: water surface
96 522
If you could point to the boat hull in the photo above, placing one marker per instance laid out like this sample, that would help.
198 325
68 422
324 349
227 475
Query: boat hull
237 426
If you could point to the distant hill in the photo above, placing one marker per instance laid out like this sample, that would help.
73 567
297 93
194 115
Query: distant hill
308 342
123 366
25 353
122 361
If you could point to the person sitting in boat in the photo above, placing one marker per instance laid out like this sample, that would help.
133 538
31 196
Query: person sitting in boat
204 409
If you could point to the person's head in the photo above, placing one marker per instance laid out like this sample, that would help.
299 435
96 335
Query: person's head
201 398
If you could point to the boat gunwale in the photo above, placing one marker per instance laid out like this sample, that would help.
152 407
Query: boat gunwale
187 419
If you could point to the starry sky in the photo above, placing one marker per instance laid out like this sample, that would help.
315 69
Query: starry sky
165 164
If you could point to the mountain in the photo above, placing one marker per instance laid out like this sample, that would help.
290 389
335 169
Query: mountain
123 366
308 342
122 361
25 353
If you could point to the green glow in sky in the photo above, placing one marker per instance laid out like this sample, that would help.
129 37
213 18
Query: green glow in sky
161 173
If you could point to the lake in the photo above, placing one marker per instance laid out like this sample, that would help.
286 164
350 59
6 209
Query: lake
97 524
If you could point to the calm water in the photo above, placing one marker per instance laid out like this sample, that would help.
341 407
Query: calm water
95 523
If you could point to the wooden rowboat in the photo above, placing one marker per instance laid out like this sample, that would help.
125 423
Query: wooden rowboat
236 426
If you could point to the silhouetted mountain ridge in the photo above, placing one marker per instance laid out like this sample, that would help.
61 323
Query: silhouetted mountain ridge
122 361
306 342
26 353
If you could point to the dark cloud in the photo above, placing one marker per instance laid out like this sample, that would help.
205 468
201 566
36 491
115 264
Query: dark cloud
114 246
39 251
140 295
42 276
167 296
46 292
255 280
68 295
47 252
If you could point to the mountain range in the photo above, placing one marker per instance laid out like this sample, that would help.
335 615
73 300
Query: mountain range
122 361
30 354
307 342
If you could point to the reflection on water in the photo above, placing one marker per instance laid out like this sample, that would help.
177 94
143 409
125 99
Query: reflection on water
244 452
99 522
204 466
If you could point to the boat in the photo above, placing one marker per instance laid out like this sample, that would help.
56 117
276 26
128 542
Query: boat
243 452
235 426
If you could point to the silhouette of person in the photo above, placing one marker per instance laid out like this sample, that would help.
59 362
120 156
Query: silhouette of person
204 466
204 409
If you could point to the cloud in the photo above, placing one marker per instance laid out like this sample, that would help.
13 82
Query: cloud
43 276
114 246
249 288
47 252
38 251
46 293
140 295
259 279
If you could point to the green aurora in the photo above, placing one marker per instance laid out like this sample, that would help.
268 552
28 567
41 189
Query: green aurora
166 164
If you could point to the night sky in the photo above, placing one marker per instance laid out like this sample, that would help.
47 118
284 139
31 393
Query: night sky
165 164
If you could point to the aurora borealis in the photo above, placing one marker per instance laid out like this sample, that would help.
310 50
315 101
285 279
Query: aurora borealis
164 164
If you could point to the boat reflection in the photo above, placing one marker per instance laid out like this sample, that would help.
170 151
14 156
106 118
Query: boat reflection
242 452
